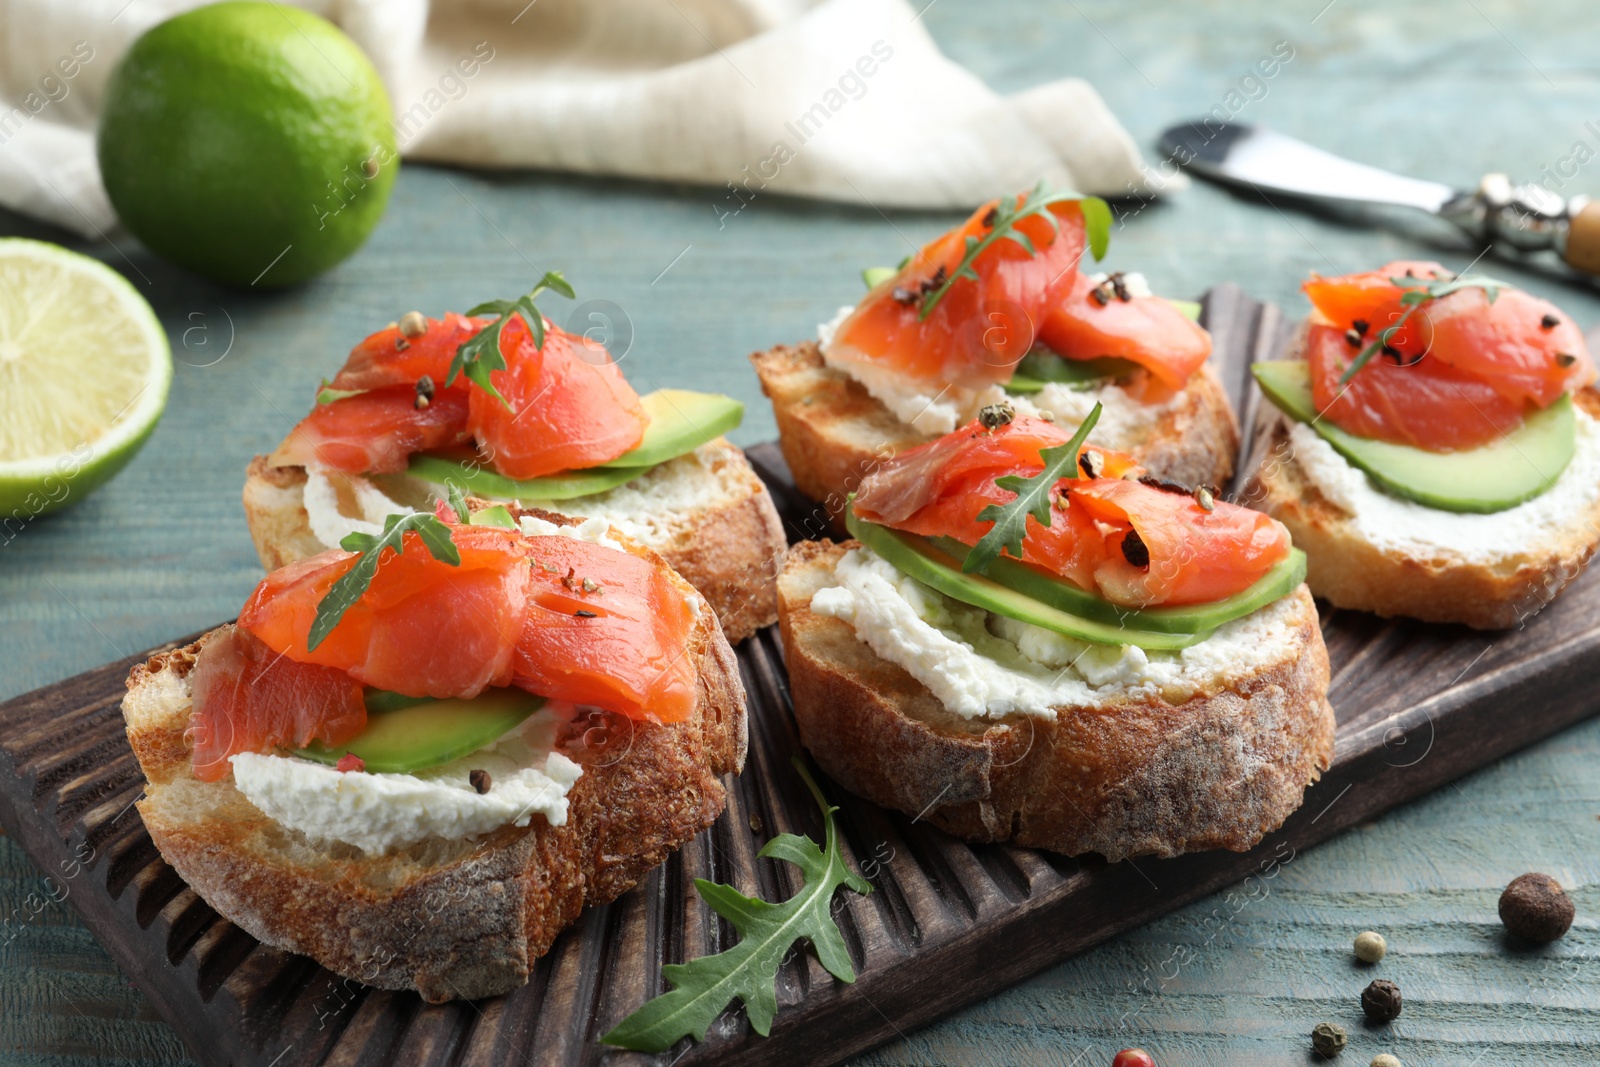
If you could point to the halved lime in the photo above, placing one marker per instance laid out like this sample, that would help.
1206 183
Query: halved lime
84 371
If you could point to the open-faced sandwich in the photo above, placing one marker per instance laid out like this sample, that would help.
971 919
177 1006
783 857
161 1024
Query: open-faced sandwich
418 759
997 309
513 408
1433 446
1035 641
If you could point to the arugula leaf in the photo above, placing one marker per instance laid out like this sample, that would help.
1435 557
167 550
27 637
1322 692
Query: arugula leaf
1420 291
480 353
1007 213
1033 498
702 988
344 593
327 395
458 503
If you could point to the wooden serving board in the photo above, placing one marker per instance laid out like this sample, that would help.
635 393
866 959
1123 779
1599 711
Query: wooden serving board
948 923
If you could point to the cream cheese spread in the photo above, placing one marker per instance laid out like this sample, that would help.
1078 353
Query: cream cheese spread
983 665
1406 528
383 812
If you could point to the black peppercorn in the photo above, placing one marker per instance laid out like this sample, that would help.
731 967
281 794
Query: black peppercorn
480 781
1381 1001
1535 907
1134 550
993 416
1328 1039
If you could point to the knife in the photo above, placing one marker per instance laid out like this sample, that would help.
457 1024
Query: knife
1527 218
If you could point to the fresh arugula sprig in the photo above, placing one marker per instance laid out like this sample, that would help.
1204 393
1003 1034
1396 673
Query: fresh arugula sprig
1033 498
355 582
480 353
1003 227
494 515
1420 291
702 988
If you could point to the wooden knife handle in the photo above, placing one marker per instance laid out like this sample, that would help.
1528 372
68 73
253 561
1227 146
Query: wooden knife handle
1583 239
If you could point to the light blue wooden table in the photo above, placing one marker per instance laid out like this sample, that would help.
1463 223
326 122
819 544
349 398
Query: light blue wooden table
1445 91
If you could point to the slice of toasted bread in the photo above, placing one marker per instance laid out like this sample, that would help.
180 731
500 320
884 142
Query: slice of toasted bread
707 513
1219 769
1344 567
447 918
833 432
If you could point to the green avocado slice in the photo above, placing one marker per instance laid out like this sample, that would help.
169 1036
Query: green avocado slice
479 481
1041 367
405 734
917 558
1050 589
1493 477
680 422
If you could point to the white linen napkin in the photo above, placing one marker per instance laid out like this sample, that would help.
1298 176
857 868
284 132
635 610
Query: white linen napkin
841 99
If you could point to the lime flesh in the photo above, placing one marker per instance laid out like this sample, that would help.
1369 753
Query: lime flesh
84 372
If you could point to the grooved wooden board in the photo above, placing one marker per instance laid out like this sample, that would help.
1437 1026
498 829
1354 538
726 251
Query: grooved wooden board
948 924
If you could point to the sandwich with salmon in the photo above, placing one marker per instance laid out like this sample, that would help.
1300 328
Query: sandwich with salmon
999 309
1032 639
1432 443
418 757
506 406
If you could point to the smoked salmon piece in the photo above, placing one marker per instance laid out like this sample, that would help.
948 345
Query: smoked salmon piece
423 628
1462 370
1182 554
390 358
570 407
1146 330
1429 404
978 330
606 628
566 406
375 432
249 698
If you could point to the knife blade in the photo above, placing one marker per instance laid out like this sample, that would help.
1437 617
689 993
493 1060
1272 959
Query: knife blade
1525 218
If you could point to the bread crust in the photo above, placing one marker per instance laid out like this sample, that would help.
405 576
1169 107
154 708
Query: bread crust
731 552
1348 571
449 919
833 432
1144 777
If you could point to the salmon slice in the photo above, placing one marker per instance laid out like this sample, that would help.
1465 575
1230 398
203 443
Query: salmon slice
570 407
1146 330
608 629
390 358
1463 370
1182 554
977 332
423 628
248 698
374 432
1429 404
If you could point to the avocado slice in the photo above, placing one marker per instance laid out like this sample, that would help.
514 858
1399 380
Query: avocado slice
1052 589
1041 367
1493 477
680 422
474 478
406 734
917 558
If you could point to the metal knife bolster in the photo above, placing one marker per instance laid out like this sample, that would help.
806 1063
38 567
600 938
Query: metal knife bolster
1528 217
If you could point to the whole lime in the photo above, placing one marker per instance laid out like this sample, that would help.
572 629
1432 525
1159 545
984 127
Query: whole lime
250 142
